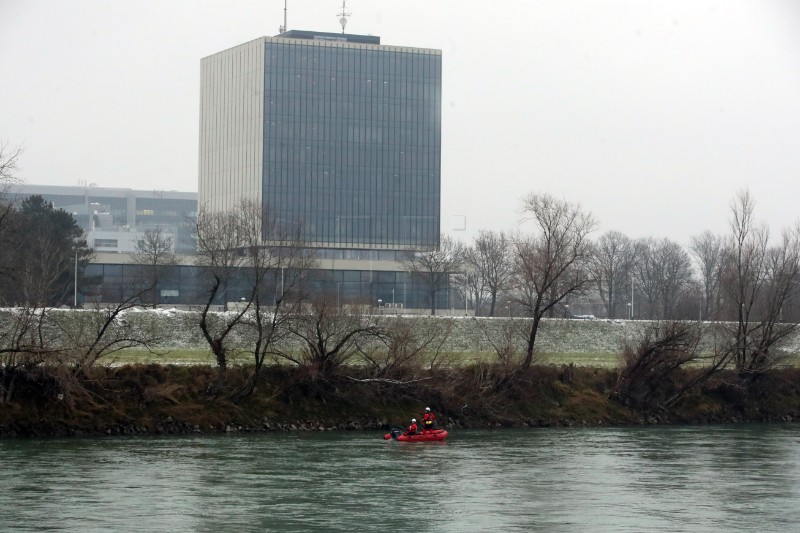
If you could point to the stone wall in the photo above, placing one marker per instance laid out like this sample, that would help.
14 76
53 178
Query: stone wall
554 336
179 329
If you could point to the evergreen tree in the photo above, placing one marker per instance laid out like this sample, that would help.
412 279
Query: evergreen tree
41 246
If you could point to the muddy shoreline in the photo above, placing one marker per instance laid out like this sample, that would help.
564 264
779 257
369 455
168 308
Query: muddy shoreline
176 400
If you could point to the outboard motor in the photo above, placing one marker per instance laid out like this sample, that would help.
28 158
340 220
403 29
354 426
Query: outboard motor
395 433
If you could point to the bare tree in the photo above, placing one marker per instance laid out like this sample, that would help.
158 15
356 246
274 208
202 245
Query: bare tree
746 273
505 338
491 262
155 255
8 176
759 280
220 243
614 258
100 333
434 267
269 273
403 343
21 349
56 349
710 254
328 335
8 164
643 377
663 273
554 261
277 269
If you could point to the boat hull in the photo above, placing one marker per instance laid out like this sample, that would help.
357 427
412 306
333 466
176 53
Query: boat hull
430 436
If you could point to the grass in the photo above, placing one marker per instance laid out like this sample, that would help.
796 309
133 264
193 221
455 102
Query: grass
180 357
594 360
205 357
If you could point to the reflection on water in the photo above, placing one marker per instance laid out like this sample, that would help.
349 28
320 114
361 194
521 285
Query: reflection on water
729 478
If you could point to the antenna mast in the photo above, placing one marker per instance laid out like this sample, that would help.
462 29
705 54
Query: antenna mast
344 14
283 28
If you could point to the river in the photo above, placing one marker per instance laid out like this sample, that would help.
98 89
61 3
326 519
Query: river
709 478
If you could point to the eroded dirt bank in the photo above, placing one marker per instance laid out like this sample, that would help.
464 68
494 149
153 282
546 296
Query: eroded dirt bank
158 399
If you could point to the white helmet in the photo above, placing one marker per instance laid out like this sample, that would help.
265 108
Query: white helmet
427 408
413 420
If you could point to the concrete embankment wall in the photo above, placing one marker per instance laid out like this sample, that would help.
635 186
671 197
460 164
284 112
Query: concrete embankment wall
554 336
179 329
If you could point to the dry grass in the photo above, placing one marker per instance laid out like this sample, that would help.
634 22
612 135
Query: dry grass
205 357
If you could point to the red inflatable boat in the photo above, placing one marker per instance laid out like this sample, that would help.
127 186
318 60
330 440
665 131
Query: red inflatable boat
430 436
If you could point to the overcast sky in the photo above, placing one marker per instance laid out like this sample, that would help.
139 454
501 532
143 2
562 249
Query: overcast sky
650 114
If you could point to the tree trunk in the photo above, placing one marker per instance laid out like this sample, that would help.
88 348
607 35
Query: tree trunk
526 363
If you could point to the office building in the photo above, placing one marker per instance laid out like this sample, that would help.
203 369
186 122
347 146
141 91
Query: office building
115 219
334 132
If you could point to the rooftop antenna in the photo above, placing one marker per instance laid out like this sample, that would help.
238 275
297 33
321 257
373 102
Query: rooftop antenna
344 14
283 28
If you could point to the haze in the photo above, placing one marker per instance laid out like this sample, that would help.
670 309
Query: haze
650 114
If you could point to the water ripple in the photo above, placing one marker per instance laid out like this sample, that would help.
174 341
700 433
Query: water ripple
728 478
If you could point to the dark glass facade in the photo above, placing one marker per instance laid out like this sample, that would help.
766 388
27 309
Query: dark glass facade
189 285
352 142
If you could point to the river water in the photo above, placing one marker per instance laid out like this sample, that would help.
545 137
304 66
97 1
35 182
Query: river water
717 478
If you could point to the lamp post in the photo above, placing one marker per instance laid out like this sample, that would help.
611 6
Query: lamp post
466 299
75 295
631 303
379 306
566 310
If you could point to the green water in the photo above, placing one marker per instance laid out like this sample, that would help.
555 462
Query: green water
724 478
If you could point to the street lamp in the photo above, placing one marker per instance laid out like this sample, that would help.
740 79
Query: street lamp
630 311
630 304
379 306
75 289
566 310
466 300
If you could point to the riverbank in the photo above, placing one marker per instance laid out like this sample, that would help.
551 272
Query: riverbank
168 399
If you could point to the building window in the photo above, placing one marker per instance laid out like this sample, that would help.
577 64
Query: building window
106 243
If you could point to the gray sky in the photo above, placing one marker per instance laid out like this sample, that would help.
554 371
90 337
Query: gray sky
651 114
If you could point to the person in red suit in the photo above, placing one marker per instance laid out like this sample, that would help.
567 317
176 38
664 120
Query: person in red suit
428 420
412 429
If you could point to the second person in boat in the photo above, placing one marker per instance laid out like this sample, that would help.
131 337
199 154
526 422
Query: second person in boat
428 420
